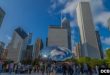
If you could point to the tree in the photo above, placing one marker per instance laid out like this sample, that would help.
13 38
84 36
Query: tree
92 62
82 60
108 56
95 62
108 53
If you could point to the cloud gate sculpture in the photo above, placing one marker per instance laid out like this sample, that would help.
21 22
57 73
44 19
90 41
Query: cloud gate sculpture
56 53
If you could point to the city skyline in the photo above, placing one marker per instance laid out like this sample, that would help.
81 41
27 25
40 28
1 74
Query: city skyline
35 16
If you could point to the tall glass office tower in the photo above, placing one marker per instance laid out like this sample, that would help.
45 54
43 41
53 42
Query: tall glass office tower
89 44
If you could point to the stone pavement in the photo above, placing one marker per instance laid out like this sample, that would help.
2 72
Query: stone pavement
25 74
30 74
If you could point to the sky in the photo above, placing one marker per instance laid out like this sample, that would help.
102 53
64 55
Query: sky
36 15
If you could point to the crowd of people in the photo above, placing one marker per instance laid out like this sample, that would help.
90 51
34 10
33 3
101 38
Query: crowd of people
51 68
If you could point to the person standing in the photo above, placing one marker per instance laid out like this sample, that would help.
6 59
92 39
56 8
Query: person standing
1 67
11 66
85 69
70 69
64 69
48 68
74 68
42 68
54 68
97 70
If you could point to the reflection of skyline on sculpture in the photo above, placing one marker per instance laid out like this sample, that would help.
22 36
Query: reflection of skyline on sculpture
56 53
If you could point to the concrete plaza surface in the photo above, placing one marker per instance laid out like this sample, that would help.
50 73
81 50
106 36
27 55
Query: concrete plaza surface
33 74
25 74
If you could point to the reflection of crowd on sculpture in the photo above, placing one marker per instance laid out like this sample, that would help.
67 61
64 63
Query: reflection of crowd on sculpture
51 68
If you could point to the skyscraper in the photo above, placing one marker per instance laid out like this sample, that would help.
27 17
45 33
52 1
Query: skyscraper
77 50
2 14
37 47
4 54
17 45
57 36
29 38
66 25
2 45
46 41
28 53
99 44
89 44
109 23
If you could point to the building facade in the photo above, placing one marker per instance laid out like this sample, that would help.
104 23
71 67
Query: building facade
28 53
66 25
89 44
99 44
58 36
4 54
77 50
2 14
37 47
109 24
17 45
2 45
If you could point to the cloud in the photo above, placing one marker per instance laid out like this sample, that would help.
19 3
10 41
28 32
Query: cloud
73 23
106 40
8 37
102 18
57 3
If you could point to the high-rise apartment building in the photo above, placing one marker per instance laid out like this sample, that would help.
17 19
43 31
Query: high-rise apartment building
17 45
89 44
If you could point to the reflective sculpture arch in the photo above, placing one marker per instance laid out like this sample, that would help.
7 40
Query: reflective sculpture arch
56 53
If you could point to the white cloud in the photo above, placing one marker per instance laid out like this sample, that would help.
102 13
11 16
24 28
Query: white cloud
102 18
73 23
8 37
70 7
57 3
106 41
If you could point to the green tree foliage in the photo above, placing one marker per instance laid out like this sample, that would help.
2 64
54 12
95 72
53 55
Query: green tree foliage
72 60
108 53
108 57
82 60
92 62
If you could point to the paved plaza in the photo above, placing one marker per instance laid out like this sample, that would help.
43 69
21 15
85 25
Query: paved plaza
33 74
25 74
